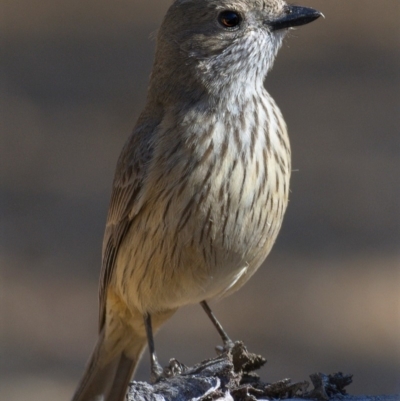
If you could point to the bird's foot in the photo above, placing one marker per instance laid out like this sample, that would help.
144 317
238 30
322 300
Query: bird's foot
156 373
175 368
223 349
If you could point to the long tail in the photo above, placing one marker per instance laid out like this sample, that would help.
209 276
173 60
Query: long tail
107 379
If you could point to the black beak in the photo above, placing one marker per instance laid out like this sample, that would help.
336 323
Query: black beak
294 16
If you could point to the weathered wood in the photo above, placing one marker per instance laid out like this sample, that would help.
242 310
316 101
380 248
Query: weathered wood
230 377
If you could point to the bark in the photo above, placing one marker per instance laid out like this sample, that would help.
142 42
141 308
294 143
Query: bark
231 377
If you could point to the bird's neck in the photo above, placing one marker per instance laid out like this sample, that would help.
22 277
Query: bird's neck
230 96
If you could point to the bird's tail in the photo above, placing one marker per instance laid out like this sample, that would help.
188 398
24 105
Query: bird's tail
105 378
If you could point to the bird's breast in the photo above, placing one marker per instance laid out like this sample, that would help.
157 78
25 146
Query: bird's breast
215 202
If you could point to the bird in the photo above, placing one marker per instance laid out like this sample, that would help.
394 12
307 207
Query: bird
201 185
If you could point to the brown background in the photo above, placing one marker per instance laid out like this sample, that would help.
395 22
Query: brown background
74 75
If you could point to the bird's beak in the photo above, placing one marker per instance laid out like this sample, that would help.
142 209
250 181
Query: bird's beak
294 16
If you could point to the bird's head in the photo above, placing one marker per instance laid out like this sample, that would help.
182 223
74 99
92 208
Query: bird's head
213 43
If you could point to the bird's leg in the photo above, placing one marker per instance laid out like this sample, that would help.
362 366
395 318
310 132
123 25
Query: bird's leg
228 343
156 369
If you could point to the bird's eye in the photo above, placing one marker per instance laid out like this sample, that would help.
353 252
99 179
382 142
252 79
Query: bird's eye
229 19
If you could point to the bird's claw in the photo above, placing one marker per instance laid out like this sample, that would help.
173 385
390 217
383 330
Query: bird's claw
175 368
222 349
156 372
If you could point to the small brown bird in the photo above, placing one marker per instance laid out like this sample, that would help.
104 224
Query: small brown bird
202 184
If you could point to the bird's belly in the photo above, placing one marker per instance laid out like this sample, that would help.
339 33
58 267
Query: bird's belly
204 243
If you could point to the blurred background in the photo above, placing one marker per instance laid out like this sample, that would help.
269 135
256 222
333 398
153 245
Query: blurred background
73 79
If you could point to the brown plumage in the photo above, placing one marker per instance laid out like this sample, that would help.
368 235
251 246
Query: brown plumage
202 184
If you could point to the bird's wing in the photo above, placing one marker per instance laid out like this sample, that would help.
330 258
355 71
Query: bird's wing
126 200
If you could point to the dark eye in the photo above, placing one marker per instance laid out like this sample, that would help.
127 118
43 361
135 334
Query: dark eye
229 19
